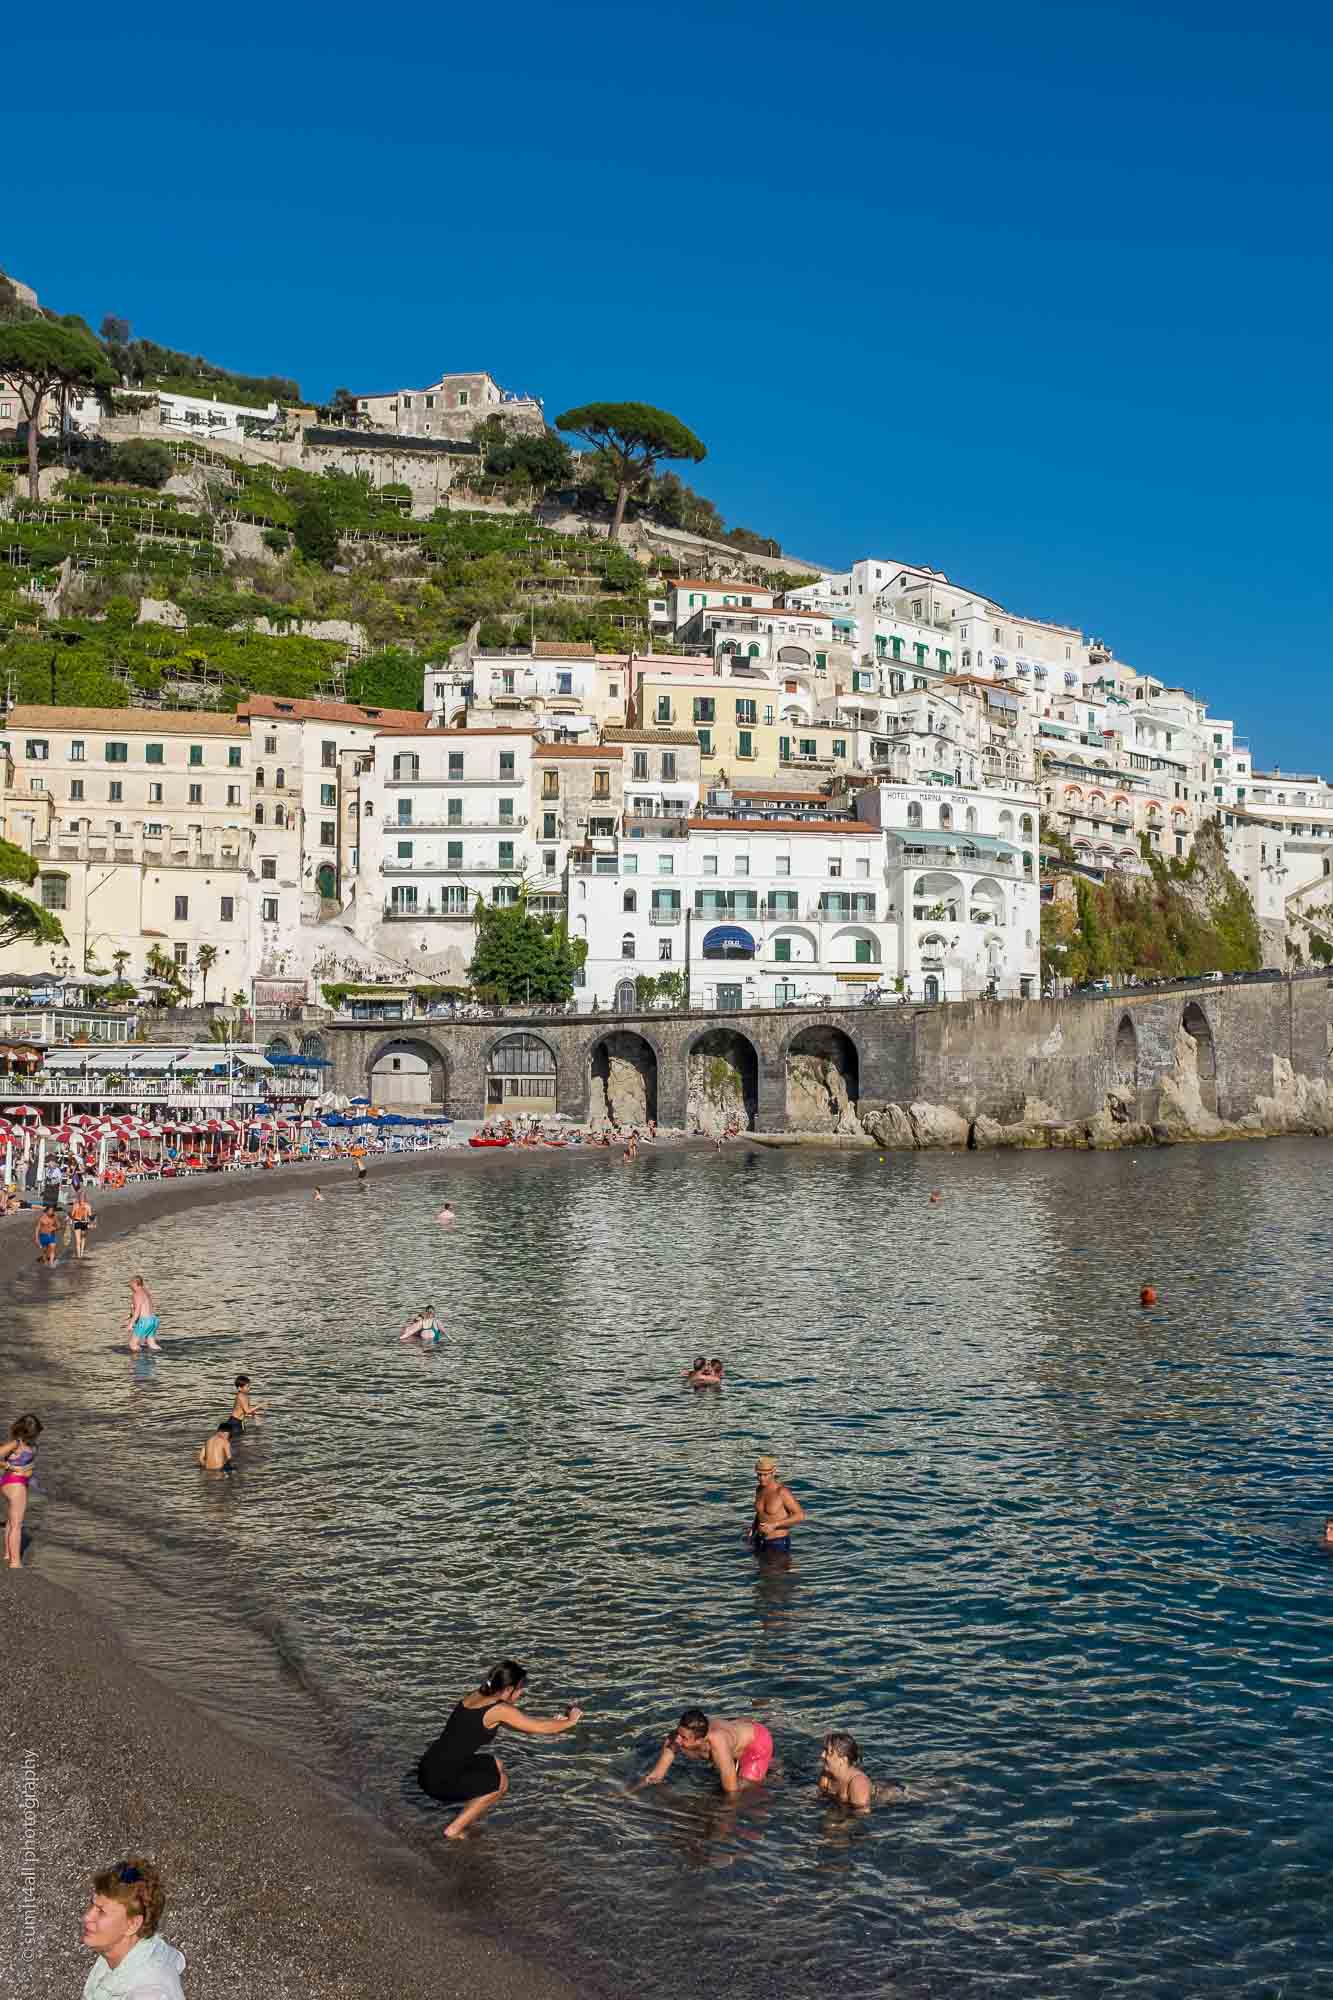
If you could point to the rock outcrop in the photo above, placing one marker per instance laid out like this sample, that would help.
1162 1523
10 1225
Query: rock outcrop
817 1099
621 1094
715 1095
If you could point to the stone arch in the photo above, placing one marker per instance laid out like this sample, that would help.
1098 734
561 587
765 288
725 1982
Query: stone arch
522 1076
407 1070
622 1078
803 948
822 1068
794 656
723 1080
842 946
315 1046
1196 1025
277 1045
1127 1055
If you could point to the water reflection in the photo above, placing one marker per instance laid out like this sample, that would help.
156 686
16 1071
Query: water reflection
1058 1573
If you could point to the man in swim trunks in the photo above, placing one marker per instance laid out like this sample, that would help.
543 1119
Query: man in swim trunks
47 1235
81 1220
776 1512
739 1751
141 1325
215 1451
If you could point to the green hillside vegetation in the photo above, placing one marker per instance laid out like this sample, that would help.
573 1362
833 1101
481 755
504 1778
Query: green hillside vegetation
1187 918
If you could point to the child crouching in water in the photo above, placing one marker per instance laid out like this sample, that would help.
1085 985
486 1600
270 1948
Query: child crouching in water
840 1773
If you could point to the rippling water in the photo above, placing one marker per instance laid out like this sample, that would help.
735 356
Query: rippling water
1058 1578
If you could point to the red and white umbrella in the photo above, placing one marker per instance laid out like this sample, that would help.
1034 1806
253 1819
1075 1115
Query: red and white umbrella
25 1111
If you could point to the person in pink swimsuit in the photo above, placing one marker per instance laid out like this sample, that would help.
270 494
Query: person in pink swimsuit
17 1458
739 1751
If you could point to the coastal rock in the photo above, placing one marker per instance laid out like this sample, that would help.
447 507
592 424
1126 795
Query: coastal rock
1298 1104
817 1099
715 1094
1182 1113
619 1086
918 1126
1030 1131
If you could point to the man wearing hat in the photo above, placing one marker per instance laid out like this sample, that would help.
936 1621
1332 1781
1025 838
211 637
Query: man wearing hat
776 1511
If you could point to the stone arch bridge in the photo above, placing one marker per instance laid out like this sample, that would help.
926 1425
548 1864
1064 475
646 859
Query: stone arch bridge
799 1069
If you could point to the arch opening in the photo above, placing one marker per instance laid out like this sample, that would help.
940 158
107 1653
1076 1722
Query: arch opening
408 1074
1196 1025
723 1082
622 1080
521 1076
1127 1055
823 1080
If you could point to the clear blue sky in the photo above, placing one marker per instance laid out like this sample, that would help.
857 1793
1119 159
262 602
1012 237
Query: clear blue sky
1038 294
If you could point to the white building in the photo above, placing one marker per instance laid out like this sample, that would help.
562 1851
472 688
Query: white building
211 417
450 408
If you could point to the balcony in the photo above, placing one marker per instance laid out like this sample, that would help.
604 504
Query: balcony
655 826
440 784
405 828
415 867
660 916
455 914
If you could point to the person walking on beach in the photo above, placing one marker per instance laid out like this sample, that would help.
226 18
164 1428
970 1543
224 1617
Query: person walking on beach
81 1220
47 1235
776 1511
17 1458
120 1925
142 1323
457 1769
739 1751
361 1175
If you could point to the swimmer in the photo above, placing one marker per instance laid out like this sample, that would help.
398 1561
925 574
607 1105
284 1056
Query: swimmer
1326 1539
698 1371
739 1751
47 1235
215 1451
17 1456
445 1218
715 1372
142 1323
776 1512
424 1326
318 1195
935 1195
840 1773
242 1407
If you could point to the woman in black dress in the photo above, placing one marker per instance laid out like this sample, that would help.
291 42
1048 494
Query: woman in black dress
457 1769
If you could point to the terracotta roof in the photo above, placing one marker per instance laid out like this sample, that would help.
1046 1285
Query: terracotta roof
789 826
686 737
274 708
574 750
562 649
134 721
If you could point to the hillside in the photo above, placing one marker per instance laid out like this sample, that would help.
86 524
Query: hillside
1187 917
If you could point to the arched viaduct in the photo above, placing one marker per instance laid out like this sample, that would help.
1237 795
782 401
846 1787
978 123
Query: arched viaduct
983 1058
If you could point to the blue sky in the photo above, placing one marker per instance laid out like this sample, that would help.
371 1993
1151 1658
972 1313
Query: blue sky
1039 294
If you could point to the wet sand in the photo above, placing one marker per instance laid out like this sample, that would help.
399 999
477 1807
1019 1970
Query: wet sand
275 1886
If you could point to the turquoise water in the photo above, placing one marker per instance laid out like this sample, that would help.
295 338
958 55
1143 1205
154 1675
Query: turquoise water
1058 1578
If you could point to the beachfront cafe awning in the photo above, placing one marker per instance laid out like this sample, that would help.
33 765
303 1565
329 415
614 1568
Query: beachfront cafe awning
299 1062
927 838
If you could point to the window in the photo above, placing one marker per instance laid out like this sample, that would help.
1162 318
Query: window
116 791
226 909
627 945
233 795
506 812
280 780
835 867
663 948
181 954
328 833
862 868
666 864
548 827
809 746
640 761
668 767
705 742
710 864
38 749
404 850
270 748
506 853
601 784
664 708
182 909
455 764
740 864
196 795
630 901
704 706
840 748
76 789
506 763
117 753
328 755
268 869
196 753
744 743
548 861
259 779
407 402
76 751
328 794
259 815
454 854
782 950
747 711
863 952
550 784
55 892
782 866
268 909
455 812
629 864
464 396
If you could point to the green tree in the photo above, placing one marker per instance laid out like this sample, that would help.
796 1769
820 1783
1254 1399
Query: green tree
636 438
140 462
205 959
114 330
518 957
159 966
341 408
42 358
317 533
21 920
120 959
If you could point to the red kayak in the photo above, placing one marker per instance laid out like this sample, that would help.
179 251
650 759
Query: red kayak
490 1142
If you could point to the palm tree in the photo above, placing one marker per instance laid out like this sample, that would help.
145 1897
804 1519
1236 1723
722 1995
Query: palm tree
205 959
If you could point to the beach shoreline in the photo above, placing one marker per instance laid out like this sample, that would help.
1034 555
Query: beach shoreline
277 1884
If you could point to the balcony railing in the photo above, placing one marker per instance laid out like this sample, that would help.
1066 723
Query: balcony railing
454 913
447 784
660 916
123 1087
415 867
659 826
406 827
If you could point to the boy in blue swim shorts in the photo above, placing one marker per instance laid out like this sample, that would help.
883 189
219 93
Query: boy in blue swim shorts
142 1323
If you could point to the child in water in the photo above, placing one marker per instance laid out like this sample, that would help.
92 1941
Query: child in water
215 1451
840 1775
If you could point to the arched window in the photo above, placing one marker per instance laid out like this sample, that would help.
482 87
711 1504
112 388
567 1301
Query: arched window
280 778
259 815
753 651
914 813
971 819
369 808
946 816
259 779
627 945
631 901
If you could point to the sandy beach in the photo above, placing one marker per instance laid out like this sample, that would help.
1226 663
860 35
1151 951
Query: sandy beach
276 1886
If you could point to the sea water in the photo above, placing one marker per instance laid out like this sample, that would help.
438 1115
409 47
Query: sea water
1058 1578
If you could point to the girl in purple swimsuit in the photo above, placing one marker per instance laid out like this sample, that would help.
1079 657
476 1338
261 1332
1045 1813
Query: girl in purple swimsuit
17 1458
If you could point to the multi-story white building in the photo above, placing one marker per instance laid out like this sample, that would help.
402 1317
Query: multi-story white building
444 820
557 687
140 823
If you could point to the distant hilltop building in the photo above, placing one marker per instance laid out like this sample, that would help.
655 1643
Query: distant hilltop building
449 408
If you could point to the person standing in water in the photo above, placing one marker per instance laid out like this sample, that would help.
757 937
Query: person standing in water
776 1511
445 1218
142 1323
215 1451
739 1751
17 1457
47 1234
840 1773
458 1769
81 1220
